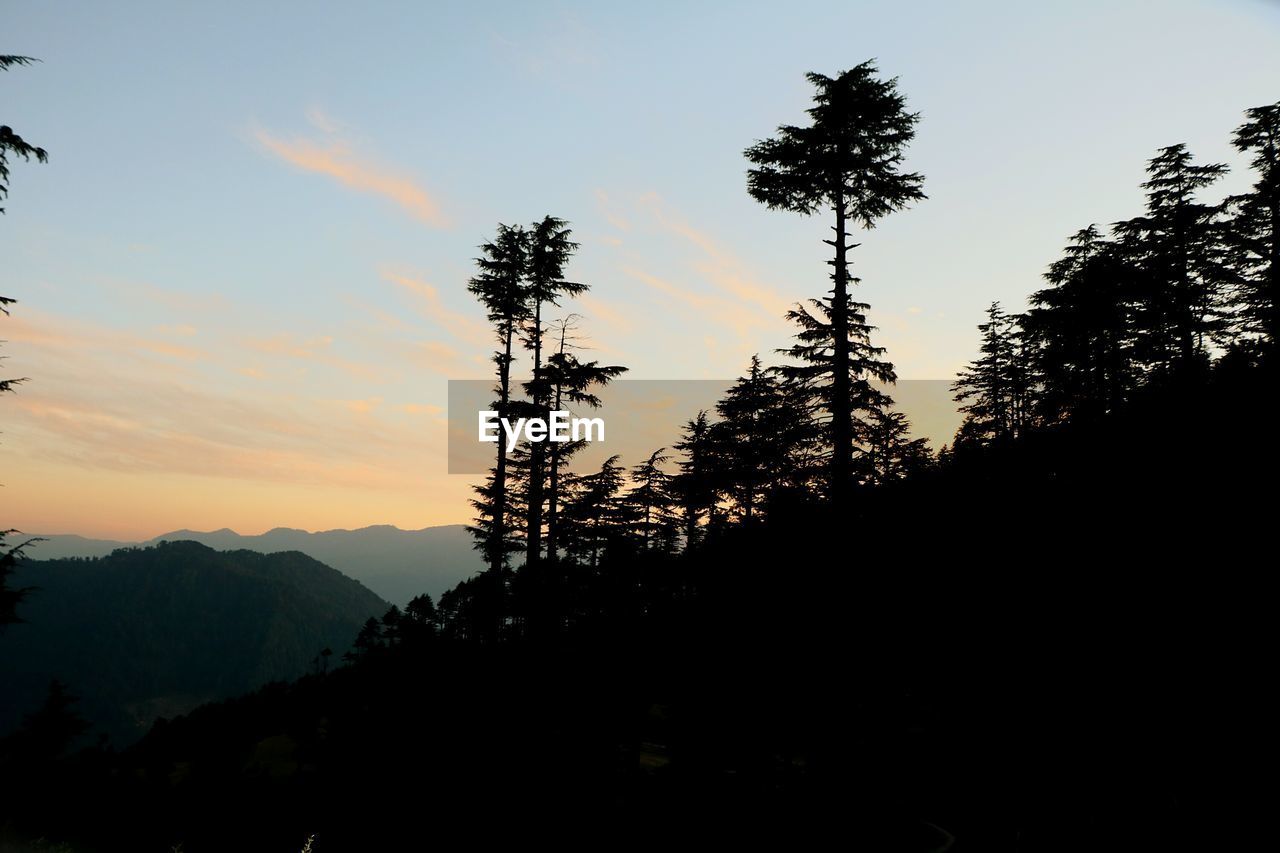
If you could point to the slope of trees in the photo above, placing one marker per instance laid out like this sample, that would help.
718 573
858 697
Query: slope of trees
1159 300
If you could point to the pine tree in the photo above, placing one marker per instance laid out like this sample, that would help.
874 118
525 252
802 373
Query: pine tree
571 382
594 516
549 252
1179 246
12 143
10 597
501 287
993 390
1079 329
421 620
846 160
891 454
1256 222
651 500
694 485
755 439
809 380
367 640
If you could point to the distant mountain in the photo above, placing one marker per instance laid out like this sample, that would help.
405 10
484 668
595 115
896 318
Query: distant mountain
157 631
396 564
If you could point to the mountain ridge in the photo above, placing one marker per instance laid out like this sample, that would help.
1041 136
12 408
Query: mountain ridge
155 631
393 562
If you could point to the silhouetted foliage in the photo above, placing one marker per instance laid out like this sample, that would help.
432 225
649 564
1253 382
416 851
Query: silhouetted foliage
1178 247
549 252
994 391
1255 225
10 142
501 287
846 160
10 597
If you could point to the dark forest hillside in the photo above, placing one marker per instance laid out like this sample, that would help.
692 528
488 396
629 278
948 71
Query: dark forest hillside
149 632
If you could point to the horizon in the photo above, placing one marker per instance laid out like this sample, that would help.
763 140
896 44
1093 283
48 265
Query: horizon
46 533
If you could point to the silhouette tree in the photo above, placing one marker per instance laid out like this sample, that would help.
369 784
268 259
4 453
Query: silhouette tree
694 485
594 516
11 597
1079 330
891 454
549 252
755 439
421 619
651 500
1256 222
994 389
1179 246
501 288
10 555
846 160
10 142
809 381
392 621
571 383
367 640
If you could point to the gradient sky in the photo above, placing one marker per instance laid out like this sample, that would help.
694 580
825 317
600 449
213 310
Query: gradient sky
242 273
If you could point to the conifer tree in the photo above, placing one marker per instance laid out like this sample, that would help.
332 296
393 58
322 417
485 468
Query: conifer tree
1079 329
1179 246
594 514
420 618
694 485
846 160
891 454
755 437
11 555
1256 223
501 287
809 380
549 251
10 142
571 383
993 389
652 500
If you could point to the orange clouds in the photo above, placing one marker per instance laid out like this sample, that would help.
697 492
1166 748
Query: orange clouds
429 305
123 435
336 160
719 265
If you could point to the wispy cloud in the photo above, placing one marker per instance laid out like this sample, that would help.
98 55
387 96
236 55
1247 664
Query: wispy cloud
335 158
430 306
718 264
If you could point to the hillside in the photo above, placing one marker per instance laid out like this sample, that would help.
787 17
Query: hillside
157 631
396 564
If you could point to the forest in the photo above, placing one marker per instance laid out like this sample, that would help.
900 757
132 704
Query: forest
798 623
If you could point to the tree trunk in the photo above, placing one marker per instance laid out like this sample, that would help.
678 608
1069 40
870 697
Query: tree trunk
841 411
537 450
553 489
497 547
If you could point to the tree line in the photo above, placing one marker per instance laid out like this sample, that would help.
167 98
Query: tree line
730 464
1151 302
1156 301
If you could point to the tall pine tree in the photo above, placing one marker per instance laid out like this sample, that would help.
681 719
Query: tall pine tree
847 160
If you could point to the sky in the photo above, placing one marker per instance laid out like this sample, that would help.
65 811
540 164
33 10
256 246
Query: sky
242 273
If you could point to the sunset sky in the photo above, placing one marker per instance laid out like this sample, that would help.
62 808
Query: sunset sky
241 276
